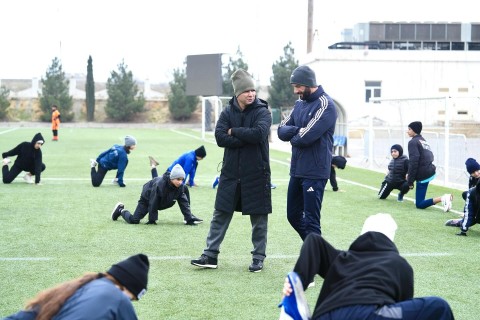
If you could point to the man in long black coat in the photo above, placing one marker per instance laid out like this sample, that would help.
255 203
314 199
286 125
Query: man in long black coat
244 186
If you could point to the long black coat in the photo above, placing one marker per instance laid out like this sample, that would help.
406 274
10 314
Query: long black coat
245 173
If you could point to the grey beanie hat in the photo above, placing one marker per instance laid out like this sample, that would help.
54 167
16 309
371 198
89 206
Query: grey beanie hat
177 172
304 76
242 81
130 141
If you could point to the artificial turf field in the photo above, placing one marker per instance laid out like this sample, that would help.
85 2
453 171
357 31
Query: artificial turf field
62 228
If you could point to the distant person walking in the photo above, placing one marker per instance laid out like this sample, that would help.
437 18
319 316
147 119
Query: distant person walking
55 122
422 170
29 159
309 128
114 158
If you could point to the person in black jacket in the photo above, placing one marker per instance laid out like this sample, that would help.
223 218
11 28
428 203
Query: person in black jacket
244 183
422 170
473 169
396 176
160 193
471 211
29 159
368 281
338 162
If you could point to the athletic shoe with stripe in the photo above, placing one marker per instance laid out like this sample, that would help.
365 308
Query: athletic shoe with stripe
295 305
447 202
205 262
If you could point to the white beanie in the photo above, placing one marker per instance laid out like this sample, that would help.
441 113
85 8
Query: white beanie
177 172
380 222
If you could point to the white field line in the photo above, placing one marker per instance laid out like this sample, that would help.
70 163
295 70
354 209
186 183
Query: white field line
273 256
26 259
9 130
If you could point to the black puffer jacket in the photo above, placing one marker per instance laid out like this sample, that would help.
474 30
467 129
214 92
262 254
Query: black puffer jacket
246 161
28 158
397 169
420 166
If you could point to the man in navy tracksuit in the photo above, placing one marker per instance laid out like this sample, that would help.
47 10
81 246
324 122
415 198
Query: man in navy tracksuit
309 128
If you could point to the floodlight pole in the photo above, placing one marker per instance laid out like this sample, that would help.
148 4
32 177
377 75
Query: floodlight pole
447 139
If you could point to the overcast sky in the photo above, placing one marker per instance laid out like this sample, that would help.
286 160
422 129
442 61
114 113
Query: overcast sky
154 37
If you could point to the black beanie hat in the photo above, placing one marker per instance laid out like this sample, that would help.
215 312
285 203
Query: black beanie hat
201 152
304 76
398 148
472 165
416 126
132 273
339 161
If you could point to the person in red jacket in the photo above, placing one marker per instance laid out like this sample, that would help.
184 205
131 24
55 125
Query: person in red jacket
370 280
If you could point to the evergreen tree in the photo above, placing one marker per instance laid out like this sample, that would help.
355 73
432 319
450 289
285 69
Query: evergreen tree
280 92
124 99
181 106
233 65
90 91
4 102
55 91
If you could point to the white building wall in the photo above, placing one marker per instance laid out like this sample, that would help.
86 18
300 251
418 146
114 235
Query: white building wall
404 74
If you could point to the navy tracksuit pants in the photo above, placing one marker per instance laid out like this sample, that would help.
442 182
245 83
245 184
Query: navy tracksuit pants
304 203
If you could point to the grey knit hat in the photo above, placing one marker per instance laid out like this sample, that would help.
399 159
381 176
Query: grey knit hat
177 172
130 141
242 81
304 76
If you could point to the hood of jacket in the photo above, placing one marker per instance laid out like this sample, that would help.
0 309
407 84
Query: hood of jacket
38 136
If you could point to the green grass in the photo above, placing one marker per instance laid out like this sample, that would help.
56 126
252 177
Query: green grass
67 221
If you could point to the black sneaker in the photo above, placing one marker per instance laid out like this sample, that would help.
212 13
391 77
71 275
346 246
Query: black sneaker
454 223
193 221
152 222
400 197
117 210
256 266
205 262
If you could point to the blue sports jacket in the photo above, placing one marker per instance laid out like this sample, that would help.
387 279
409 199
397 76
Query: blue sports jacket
188 161
114 158
309 128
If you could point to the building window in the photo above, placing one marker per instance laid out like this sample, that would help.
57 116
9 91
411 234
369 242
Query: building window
373 89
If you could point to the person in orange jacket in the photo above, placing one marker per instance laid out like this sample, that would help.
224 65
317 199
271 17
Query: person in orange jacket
55 122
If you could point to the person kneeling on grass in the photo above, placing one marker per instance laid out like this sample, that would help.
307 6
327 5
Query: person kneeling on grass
471 212
368 281
29 159
93 296
158 194
396 177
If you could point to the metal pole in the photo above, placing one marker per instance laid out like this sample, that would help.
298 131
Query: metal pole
447 139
